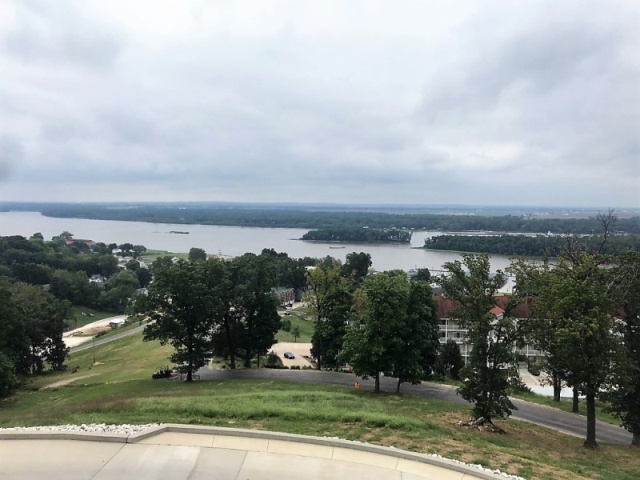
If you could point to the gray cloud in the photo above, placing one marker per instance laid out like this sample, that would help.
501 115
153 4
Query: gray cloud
447 104
11 153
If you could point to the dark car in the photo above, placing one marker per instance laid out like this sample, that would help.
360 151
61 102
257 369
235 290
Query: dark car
289 355
162 373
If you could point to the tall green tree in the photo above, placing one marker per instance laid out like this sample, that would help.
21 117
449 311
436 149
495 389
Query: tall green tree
328 301
417 356
329 330
356 267
450 361
184 304
542 327
197 255
624 396
256 303
493 338
119 289
389 328
576 297
39 323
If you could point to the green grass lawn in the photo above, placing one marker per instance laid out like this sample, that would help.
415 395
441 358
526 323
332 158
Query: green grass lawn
119 389
78 320
305 326
150 255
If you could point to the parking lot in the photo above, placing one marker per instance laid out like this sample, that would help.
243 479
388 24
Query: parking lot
298 349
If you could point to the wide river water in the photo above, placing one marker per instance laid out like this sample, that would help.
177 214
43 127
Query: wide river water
231 241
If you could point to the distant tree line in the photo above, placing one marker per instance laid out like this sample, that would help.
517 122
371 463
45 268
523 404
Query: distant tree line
307 218
526 245
359 235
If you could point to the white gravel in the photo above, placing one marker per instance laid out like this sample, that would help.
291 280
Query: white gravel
86 427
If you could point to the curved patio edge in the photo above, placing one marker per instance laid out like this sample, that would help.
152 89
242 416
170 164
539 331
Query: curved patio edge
148 435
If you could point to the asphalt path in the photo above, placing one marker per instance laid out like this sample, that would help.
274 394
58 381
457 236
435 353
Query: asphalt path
568 423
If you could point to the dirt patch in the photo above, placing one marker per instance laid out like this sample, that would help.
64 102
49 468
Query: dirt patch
66 381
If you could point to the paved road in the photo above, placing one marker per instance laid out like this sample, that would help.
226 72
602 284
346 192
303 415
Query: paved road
101 341
569 423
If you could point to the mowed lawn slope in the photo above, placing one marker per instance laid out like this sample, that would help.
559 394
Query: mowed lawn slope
119 389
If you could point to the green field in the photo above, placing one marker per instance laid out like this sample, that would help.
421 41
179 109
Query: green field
118 389
305 326
150 255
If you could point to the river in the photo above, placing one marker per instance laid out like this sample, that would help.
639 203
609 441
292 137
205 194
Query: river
231 241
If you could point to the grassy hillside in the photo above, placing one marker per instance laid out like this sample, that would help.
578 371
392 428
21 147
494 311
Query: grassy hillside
120 390
305 326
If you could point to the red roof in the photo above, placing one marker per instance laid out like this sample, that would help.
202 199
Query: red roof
446 306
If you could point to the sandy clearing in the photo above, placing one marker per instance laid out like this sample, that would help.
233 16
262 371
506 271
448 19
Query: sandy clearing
84 334
66 381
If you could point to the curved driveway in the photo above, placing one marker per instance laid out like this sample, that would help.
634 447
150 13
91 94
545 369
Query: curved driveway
569 423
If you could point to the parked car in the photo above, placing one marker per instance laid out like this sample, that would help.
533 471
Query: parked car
162 373
289 355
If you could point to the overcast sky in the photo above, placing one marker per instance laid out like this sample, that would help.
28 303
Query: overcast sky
452 102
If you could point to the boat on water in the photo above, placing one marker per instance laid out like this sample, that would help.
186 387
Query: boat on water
179 233
337 248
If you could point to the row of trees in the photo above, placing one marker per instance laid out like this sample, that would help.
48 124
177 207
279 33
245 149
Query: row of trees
585 317
525 245
212 308
324 217
380 323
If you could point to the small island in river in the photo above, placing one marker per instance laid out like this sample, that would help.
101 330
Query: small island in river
358 235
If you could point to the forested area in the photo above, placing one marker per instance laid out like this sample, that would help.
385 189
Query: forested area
527 245
301 217
40 281
66 266
359 235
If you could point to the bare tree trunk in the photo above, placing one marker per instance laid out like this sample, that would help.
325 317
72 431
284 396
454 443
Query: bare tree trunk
636 439
398 387
590 442
232 350
576 401
258 361
557 387
376 388
190 372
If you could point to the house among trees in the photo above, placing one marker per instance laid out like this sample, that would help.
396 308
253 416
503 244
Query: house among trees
449 328
72 241
116 323
97 278
285 295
